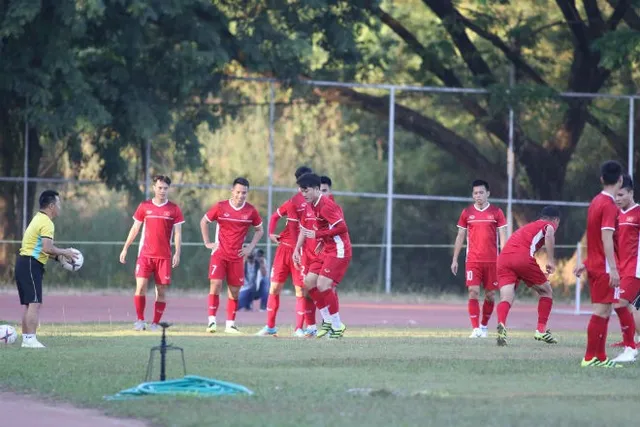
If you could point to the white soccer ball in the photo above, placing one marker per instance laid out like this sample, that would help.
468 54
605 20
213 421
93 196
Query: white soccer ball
8 334
70 264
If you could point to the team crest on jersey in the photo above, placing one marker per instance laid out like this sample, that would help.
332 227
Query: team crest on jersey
226 214
245 216
167 213
630 219
472 217
490 216
149 212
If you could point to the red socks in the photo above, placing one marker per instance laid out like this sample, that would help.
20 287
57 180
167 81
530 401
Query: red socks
596 338
159 311
544 309
487 310
232 307
330 301
317 297
139 302
214 303
503 312
627 325
273 303
309 312
300 312
474 313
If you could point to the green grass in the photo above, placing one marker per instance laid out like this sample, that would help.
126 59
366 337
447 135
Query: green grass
404 376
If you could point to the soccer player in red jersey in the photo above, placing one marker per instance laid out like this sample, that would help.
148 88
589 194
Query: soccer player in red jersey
159 219
234 217
332 236
516 262
325 186
283 265
627 241
602 271
483 222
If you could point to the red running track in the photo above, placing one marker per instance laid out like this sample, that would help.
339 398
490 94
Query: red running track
355 312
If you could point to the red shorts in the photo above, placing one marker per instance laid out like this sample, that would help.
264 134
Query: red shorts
331 267
221 268
482 273
601 292
283 266
629 288
513 268
159 267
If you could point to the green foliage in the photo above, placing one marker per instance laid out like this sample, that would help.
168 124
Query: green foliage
619 49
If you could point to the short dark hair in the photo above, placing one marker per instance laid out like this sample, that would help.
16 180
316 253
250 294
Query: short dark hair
163 178
325 180
610 171
309 180
627 182
550 212
47 197
260 252
242 181
302 170
480 183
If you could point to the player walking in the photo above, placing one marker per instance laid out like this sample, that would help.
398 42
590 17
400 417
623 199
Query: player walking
627 240
159 219
233 218
332 237
602 271
37 247
516 262
283 265
482 221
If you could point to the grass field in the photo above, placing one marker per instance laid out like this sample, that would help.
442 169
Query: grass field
374 377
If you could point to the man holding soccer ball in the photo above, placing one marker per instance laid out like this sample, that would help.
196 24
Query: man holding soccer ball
37 247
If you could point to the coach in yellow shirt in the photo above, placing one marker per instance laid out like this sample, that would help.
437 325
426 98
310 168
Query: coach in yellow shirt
37 247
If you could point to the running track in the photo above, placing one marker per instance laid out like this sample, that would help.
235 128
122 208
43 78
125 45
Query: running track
355 312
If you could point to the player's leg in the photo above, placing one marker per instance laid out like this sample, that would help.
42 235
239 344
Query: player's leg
235 278
602 298
217 273
333 270
629 288
144 269
32 300
279 273
298 330
309 305
507 280
490 283
545 303
473 275
311 286
162 276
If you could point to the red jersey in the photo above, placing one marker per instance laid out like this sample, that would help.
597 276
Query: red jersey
157 228
482 226
602 215
331 228
232 226
527 240
628 241
292 209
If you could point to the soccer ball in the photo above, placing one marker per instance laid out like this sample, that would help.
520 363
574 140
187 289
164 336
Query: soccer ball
8 334
70 264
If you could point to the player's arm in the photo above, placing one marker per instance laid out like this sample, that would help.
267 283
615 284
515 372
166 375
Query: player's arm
334 229
334 217
502 232
204 230
549 245
609 254
273 221
133 233
457 247
177 241
297 252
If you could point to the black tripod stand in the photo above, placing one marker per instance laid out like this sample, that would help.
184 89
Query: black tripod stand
162 349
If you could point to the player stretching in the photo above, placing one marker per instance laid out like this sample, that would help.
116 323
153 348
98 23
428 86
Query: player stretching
233 217
481 220
627 239
37 247
159 219
601 267
332 235
283 265
516 262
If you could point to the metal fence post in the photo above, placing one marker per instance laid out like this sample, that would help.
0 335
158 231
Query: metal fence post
271 163
25 182
510 158
631 136
392 114
578 282
147 162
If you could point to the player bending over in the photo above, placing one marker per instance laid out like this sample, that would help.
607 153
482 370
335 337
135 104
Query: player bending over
283 264
159 219
517 262
233 218
627 240
482 222
602 271
332 235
